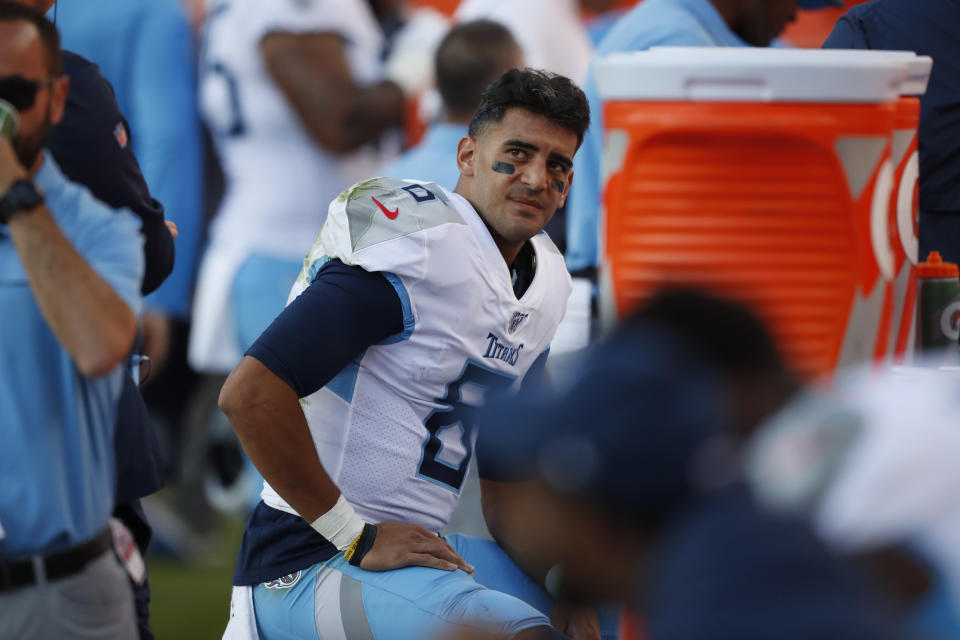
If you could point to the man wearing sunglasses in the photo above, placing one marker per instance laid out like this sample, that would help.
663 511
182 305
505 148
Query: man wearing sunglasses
70 276
92 147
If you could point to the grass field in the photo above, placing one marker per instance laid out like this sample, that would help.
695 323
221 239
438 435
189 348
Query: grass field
191 601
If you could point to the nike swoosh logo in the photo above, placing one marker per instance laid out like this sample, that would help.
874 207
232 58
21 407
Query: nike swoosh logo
390 214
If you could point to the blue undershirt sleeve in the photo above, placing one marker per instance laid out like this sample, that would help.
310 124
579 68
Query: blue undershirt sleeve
344 310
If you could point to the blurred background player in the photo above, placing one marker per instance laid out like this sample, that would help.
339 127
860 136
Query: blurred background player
471 56
551 33
294 94
295 98
443 295
146 51
930 28
72 271
708 23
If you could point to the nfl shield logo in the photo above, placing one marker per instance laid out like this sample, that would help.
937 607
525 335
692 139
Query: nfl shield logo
515 321
120 133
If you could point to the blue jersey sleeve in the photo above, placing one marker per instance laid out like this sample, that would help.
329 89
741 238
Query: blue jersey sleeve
344 310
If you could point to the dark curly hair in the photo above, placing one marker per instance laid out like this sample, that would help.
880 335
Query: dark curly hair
547 94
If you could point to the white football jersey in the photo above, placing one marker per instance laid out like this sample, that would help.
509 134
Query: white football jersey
275 173
394 430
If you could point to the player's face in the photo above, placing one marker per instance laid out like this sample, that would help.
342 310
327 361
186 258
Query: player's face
520 171
39 100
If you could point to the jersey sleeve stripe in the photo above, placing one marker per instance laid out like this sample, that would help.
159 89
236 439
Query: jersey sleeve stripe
409 321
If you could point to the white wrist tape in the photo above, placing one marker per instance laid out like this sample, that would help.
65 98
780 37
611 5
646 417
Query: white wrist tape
341 525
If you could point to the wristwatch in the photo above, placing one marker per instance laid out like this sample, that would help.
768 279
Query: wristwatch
23 195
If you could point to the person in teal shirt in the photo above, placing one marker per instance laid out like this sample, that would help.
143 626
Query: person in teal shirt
70 278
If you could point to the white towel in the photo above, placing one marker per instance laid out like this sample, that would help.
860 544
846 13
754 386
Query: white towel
243 619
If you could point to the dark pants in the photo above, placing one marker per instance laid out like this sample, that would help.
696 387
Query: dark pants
139 473
131 514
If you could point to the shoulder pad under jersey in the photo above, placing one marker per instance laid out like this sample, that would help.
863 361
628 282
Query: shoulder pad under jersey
373 212
382 209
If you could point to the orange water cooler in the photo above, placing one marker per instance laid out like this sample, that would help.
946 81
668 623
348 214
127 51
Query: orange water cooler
904 211
759 174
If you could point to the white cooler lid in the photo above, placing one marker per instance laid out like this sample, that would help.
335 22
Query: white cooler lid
918 67
747 74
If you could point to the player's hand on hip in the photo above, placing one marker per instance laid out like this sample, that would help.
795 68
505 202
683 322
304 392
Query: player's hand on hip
577 621
409 545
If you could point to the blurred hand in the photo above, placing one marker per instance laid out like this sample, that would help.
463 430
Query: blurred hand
173 228
157 338
577 621
404 545
10 168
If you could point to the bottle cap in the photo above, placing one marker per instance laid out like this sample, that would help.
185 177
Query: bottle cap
935 267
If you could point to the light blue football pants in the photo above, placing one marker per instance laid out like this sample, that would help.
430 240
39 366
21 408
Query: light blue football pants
335 600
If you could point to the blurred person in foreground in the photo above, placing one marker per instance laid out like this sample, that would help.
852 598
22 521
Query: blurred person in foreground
146 50
871 462
706 23
843 455
470 57
357 403
929 28
636 495
295 95
72 270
